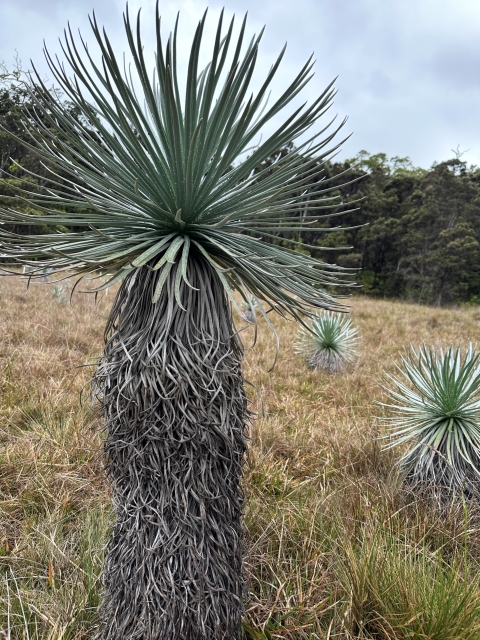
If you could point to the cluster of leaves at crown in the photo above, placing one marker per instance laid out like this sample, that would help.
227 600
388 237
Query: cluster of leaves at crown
435 402
152 174
329 342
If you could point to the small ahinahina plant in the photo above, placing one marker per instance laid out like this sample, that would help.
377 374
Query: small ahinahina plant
435 407
329 343
60 291
249 310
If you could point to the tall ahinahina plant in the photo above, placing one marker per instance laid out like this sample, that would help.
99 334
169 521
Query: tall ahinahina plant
156 205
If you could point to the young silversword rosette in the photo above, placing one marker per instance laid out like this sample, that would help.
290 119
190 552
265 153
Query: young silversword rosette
435 406
249 310
330 343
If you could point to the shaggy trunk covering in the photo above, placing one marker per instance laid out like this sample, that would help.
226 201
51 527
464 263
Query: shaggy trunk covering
172 391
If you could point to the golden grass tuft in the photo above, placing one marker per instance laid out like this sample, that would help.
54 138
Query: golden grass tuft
335 548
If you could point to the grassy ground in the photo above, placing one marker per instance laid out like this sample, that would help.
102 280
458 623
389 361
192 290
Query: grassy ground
336 549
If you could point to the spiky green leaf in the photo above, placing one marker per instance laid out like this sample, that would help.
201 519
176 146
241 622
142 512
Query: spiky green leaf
152 169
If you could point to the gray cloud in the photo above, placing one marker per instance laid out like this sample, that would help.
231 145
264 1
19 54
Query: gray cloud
458 68
409 71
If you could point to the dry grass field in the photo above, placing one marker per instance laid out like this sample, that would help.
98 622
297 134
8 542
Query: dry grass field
335 547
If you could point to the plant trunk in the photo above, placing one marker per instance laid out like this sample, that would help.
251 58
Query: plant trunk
172 390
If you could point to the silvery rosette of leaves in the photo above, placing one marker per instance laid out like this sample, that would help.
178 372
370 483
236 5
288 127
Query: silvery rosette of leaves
435 411
329 342
154 175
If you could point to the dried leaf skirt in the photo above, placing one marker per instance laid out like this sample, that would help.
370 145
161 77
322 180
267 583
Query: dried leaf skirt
172 391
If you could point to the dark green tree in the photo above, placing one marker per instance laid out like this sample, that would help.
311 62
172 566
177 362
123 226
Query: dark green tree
159 201
455 254
416 231
445 207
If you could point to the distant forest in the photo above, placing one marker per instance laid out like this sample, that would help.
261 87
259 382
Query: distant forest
422 233
416 231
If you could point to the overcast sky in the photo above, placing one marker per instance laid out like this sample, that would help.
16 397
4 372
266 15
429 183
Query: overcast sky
408 70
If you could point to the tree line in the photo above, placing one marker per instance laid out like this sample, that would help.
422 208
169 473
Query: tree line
422 228
412 233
